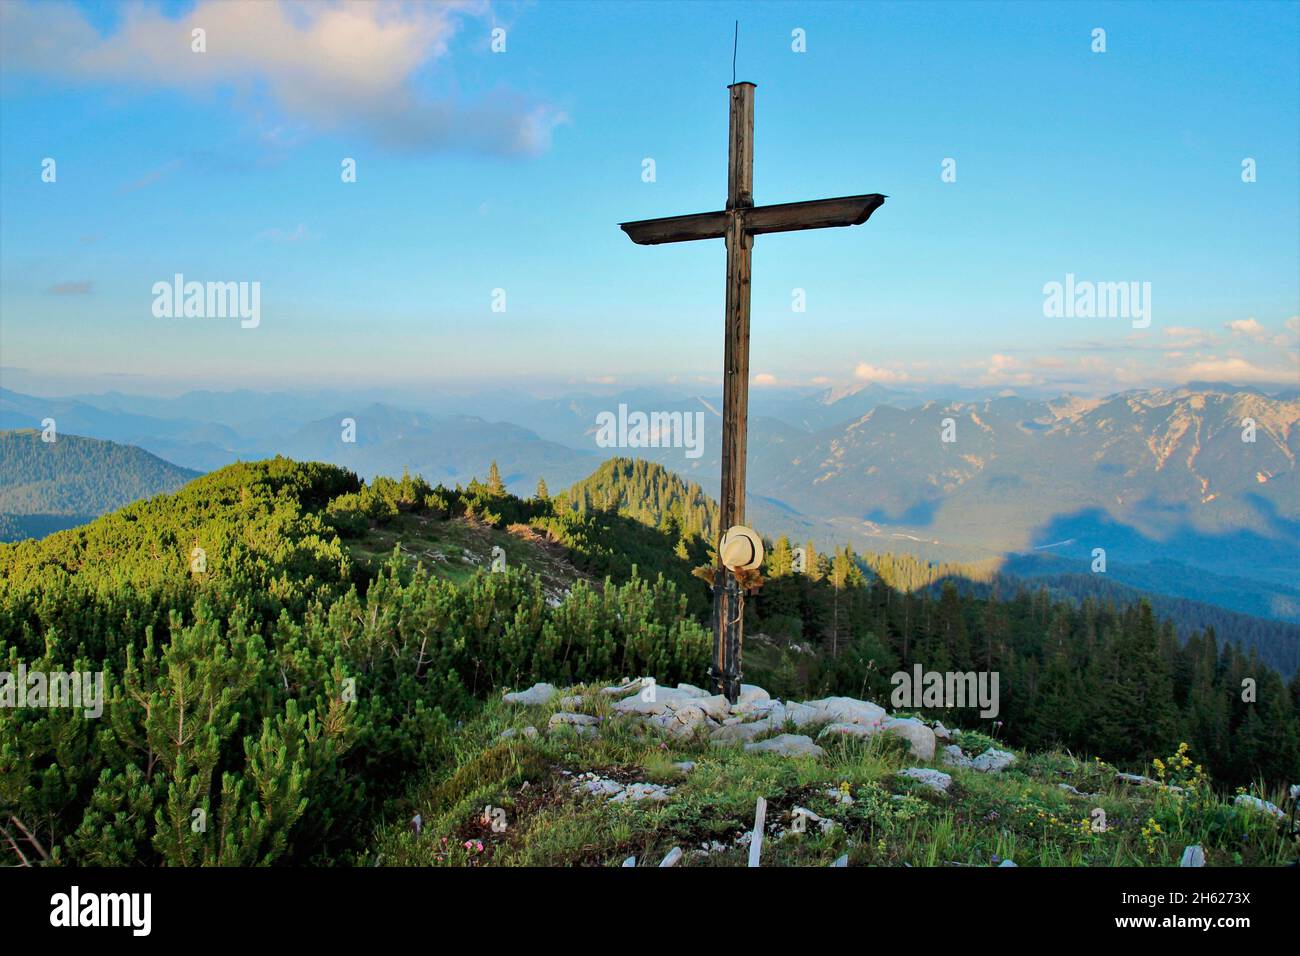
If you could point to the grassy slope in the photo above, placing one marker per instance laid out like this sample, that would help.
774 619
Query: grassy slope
1021 814
454 549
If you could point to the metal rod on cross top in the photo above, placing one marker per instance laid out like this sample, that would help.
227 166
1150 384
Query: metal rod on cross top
737 224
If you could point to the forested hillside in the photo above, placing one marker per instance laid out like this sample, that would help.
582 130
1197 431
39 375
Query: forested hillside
648 492
73 478
252 672
268 677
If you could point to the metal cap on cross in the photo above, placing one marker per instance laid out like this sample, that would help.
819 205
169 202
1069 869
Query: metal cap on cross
737 224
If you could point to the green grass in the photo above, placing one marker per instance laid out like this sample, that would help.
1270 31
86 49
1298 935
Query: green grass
454 549
1021 814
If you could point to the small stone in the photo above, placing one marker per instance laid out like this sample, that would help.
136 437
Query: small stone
954 757
562 719
630 861
739 733
536 695
841 860
600 787
642 791
936 780
530 732
571 703
1137 780
787 745
673 856
684 721
1193 856
993 761
848 730
1007 863
685 766
1255 803
626 687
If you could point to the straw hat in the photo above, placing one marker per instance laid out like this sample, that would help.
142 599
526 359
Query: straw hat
741 548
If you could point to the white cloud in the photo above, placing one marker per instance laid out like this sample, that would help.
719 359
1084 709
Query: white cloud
1235 369
353 67
873 373
1250 328
765 379
1007 370
1187 337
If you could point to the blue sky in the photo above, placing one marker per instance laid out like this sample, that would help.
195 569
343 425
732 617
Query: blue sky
479 170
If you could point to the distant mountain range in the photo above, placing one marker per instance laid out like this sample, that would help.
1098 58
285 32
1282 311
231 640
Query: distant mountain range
1159 479
49 486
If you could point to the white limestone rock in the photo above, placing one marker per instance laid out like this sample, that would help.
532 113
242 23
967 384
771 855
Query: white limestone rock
936 780
1137 780
993 761
563 718
715 705
802 714
787 745
954 757
846 710
626 687
1263 806
529 732
1193 855
685 721
836 730
739 733
535 696
918 736
658 700
642 791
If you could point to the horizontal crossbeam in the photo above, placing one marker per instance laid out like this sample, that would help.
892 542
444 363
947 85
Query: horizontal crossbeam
784 217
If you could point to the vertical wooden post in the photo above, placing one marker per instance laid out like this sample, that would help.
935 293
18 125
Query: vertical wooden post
728 599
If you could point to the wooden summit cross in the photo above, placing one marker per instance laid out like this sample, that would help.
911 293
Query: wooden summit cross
738 224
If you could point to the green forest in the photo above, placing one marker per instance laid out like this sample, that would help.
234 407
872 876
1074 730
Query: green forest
271 695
